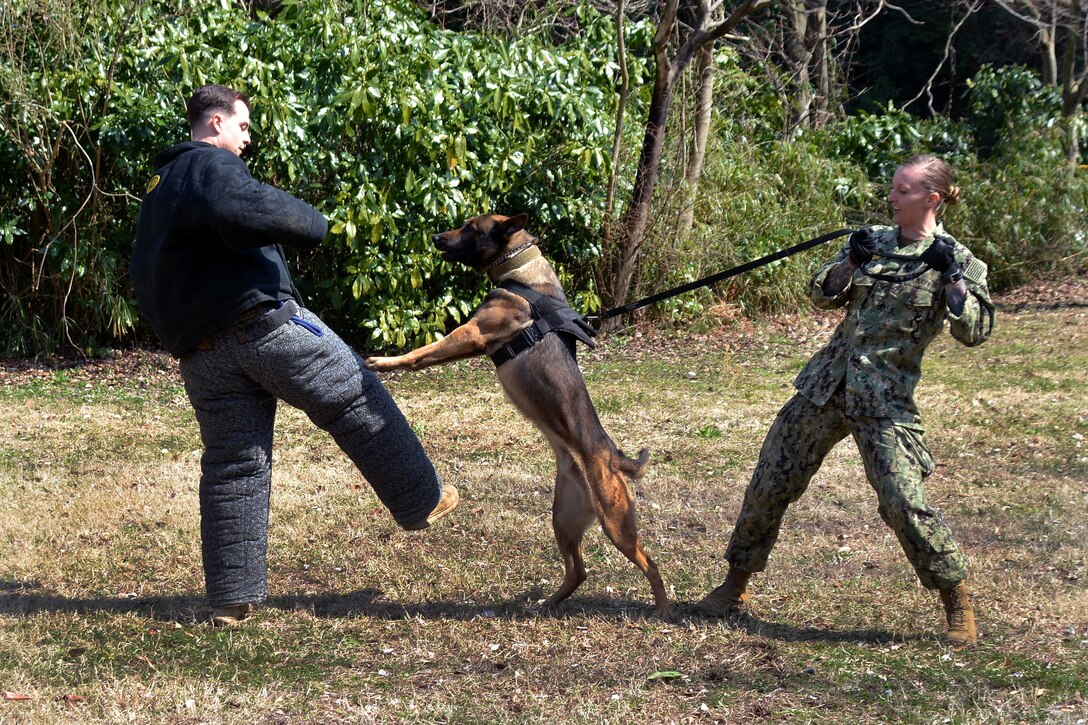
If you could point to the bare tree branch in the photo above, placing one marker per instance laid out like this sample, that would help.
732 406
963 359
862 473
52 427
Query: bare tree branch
905 14
927 89
1029 19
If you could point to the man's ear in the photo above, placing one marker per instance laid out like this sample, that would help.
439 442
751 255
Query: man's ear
514 224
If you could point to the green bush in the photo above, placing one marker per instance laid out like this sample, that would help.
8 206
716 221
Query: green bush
63 267
755 200
1008 104
1025 212
396 129
878 143
391 126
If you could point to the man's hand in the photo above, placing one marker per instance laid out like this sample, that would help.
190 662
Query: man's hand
941 257
862 246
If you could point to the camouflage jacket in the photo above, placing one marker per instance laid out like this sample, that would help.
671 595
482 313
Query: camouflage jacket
877 348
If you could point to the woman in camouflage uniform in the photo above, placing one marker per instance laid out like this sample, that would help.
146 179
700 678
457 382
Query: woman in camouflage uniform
862 384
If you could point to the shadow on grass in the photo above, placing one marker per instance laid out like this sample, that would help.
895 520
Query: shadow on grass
21 599
27 599
790 633
24 599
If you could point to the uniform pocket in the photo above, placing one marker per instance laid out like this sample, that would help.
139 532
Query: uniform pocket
913 306
914 445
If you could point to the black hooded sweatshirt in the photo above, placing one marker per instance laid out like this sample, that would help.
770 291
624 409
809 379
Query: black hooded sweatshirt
208 243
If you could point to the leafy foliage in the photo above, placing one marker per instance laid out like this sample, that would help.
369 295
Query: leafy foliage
391 126
1007 102
1023 211
879 142
396 128
755 201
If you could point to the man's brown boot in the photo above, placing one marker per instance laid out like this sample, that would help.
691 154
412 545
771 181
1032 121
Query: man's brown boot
960 616
448 502
729 598
230 616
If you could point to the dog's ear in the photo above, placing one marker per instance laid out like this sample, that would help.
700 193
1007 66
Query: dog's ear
514 224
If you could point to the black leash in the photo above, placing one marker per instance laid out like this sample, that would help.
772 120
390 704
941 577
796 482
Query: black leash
706 281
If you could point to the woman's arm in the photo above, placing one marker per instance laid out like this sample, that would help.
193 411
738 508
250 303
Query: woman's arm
970 310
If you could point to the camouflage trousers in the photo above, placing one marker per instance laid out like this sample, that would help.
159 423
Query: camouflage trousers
896 461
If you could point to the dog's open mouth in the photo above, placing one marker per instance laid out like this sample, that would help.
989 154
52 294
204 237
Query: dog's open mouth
450 255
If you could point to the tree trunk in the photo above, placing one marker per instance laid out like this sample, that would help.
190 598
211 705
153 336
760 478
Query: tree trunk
638 212
621 108
1048 37
818 41
1074 84
797 51
704 103
621 263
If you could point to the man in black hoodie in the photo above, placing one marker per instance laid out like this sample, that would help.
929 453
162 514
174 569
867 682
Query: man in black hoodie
210 276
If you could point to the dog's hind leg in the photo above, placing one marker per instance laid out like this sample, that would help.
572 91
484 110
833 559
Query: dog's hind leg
572 513
617 509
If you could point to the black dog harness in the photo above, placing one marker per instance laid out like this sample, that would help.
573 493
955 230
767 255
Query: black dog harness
549 315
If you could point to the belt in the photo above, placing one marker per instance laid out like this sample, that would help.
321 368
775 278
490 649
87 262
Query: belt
253 325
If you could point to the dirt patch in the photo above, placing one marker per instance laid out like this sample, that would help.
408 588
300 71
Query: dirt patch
1046 294
121 366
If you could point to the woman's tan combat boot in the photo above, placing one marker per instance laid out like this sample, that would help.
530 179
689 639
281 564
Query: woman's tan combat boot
960 616
729 598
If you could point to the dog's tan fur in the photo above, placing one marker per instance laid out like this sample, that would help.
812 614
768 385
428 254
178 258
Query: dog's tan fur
546 385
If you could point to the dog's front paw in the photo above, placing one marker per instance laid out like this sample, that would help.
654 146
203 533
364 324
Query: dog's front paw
386 364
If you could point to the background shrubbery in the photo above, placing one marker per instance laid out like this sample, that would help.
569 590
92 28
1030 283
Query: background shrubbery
396 128
391 126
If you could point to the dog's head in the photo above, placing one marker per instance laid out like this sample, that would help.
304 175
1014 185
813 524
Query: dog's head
482 239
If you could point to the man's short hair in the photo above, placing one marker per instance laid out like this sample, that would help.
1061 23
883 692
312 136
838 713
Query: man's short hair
212 99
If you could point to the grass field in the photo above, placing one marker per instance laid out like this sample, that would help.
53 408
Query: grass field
102 617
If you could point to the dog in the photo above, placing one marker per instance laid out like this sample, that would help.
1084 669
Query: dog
544 383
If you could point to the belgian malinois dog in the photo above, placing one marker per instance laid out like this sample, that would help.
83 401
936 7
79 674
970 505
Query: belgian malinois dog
545 384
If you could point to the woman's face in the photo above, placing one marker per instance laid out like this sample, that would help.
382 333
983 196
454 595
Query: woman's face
911 204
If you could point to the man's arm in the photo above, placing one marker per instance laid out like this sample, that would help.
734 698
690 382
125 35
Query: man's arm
247 213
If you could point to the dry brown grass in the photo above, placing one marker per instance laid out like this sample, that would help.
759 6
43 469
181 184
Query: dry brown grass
100 585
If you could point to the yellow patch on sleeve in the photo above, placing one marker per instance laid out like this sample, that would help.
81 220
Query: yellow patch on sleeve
153 183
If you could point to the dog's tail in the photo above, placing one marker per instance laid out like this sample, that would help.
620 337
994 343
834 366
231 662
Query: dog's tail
632 467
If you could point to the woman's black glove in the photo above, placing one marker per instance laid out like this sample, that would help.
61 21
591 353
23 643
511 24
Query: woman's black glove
862 246
941 257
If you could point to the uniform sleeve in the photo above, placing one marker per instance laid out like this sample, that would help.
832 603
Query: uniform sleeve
816 286
247 213
974 325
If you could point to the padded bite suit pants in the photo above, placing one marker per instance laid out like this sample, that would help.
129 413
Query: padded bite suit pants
234 386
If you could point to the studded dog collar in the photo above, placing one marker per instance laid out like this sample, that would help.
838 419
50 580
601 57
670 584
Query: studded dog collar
513 259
